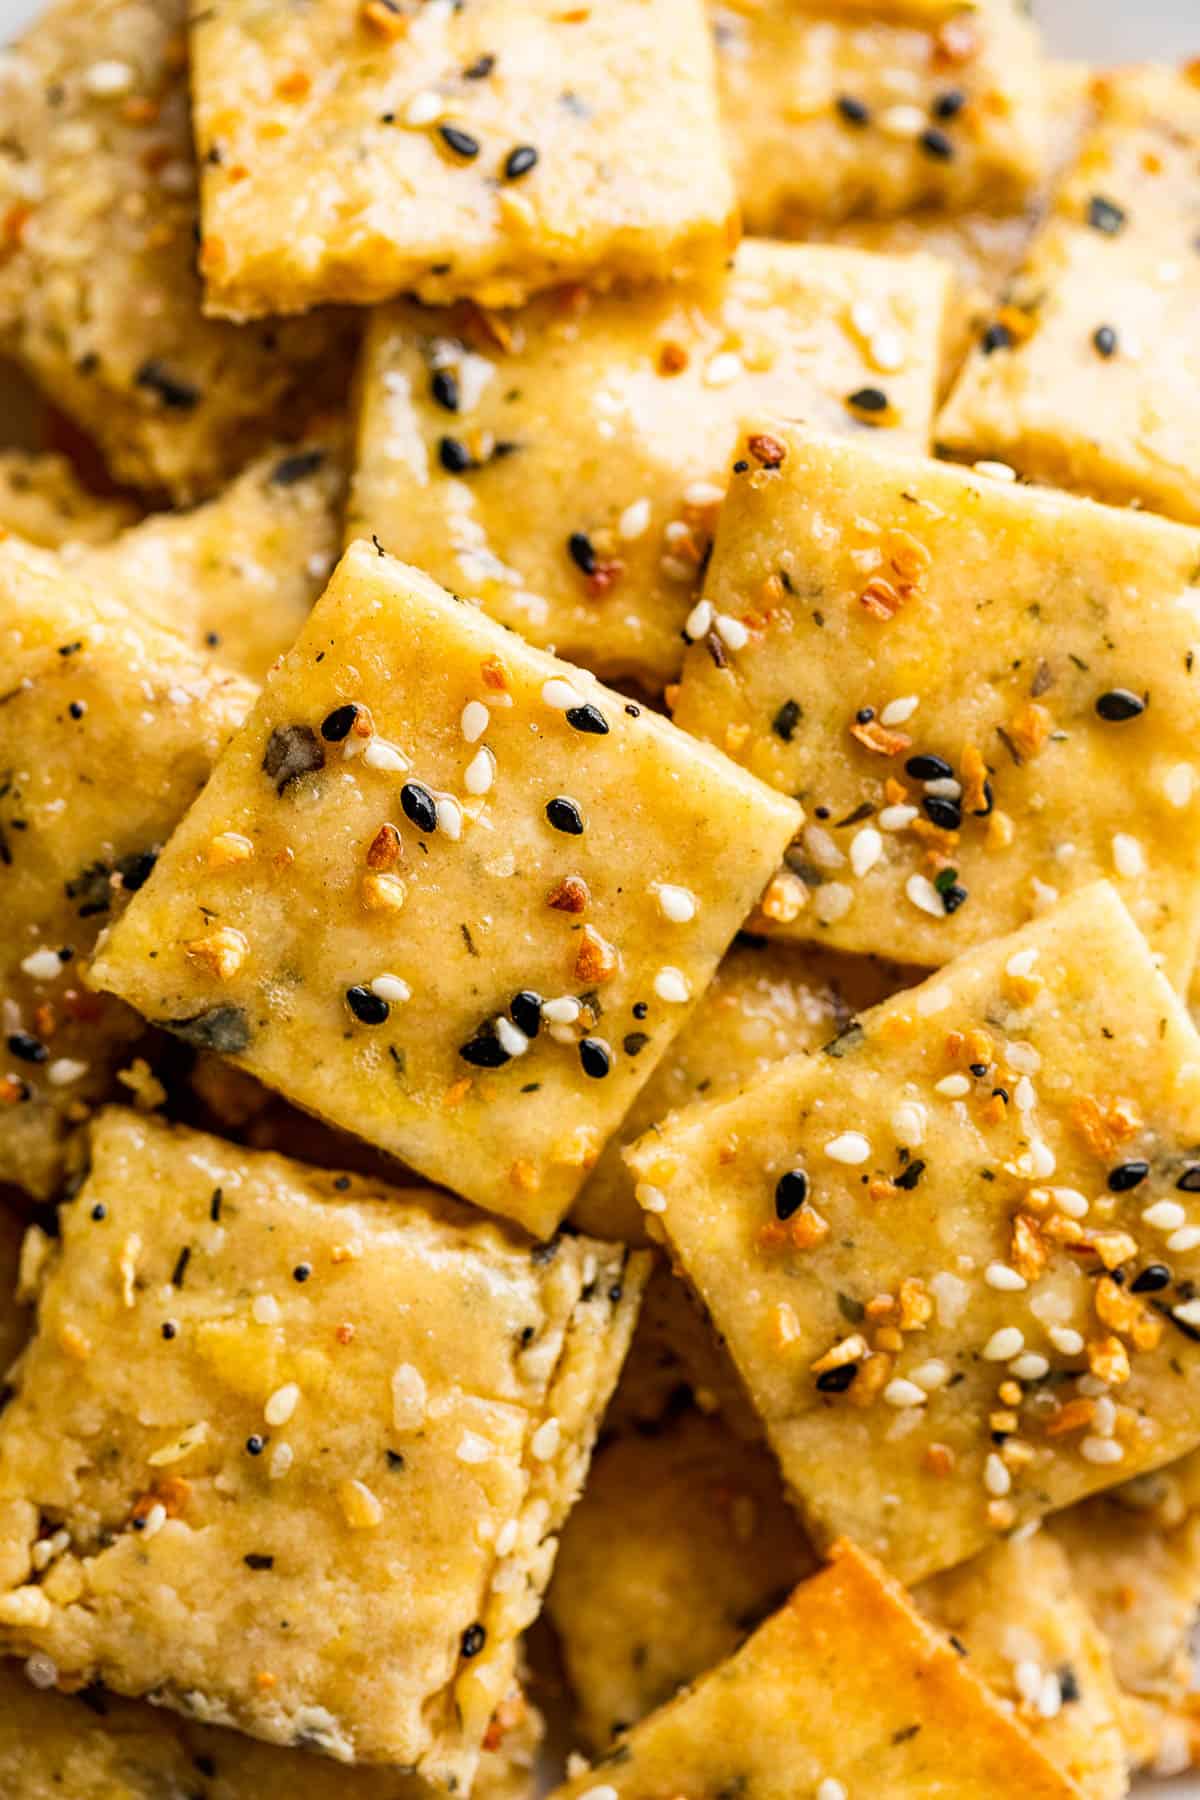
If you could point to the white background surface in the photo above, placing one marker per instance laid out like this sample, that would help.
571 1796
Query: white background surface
1097 31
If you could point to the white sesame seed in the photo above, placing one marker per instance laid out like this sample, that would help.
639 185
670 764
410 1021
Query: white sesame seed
1029 1367
898 712
1021 962
1188 1312
930 1375
1129 859
1072 1202
950 1295
282 1404
900 1392
282 1458
474 1449
1089 1386
1027 1679
545 1440
699 620
866 848
952 1086
995 471
924 895
1164 1215
603 1792
510 1038
1066 1341
480 772
506 1538
673 986
650 1199
1041 1159
424 107
475 720
409 1397
998 1275
108 78
43 965
634 521
41 1671
731 631
822 848
848 1147
902 121
1186 1238
563 1011
678 904
449 817
1023 1057
886 350
1049 1698
944 787
1179 784
64 1070
908 1123
154 1520
1025 1095
1101 1450
675 569
703 493
996 1478
266 1310
392 989
830 1789
832 901
379 754
897 818
1105 1416
723 369
559 694
1004 1344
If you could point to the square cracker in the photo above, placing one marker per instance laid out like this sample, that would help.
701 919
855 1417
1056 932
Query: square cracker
347 1452
238 575
1095 382
108 731
1034 651
96 1746
354 152
43 501
846 1683
99 296
566 463
828 117
909 1242
482 851
766 1001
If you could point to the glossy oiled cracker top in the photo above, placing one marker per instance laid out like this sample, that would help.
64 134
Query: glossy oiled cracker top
984 695
449 892
354 152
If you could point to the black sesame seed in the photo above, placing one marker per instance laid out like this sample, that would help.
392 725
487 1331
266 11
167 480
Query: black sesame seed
1119 704
255 1445
176 394
366 1006
169 1329
454 456
419 805
27 1047
864 715
179 1272
77 709
1127 1175
853 111
996 337
595 1056
989 800
473 1640
740 467
519 161
1105 340
953 897
925 767
480 69
582 552
935 143
1151 1280
868 400
589 719
836 1381
444 388
979 1070
302 1271
1105 215
791 1191
910 1175
1068 1684
484 1051
525 1011
945 813
564 815
948 105
786 720
339 723
1189 1181
639 1009
292 469
254 1559
460 141
99 1211
634 1042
